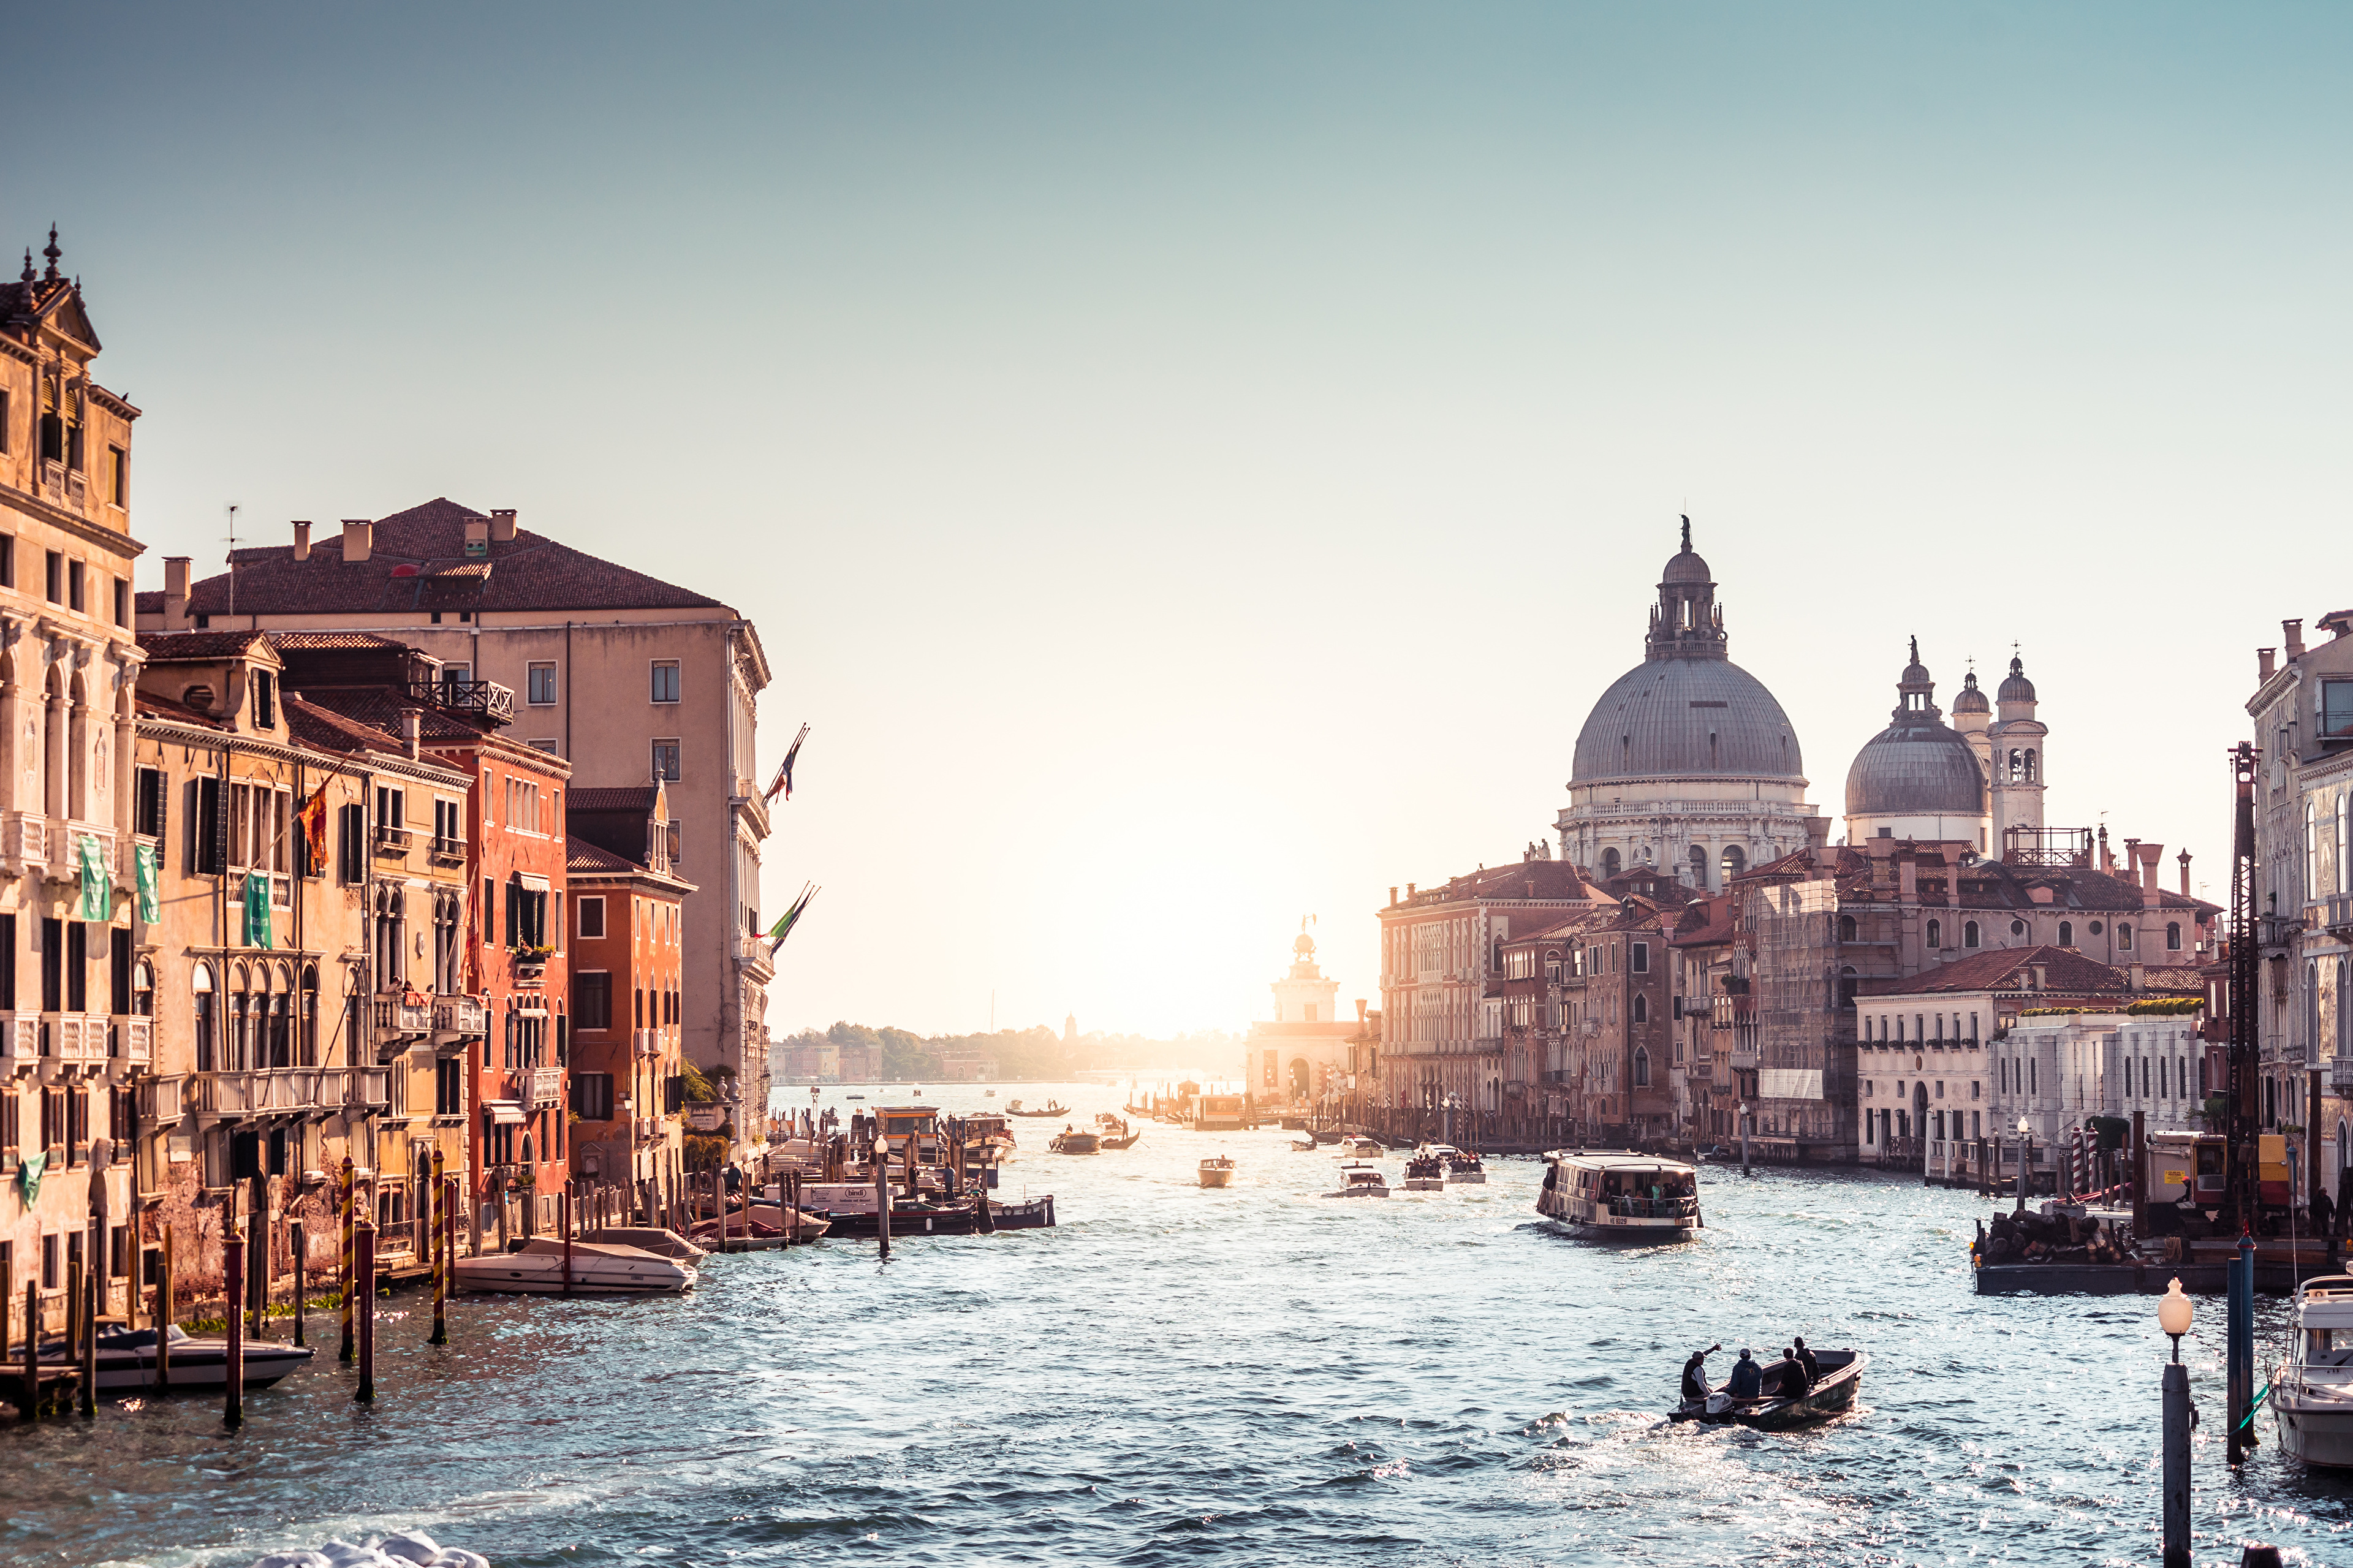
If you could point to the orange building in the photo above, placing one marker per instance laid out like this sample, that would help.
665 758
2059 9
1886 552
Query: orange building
628 904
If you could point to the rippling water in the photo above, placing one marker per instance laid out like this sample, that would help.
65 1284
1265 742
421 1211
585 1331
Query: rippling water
1179 1376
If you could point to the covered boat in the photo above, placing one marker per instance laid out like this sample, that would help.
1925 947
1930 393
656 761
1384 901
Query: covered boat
597 1268
1781 1403
2312 1391
1069 1142
1620 1195
648 1238
1217 1172
126 1359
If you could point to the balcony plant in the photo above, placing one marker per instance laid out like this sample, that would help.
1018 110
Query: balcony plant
532 952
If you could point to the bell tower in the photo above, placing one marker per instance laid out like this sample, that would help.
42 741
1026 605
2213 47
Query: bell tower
2016 747
1686 622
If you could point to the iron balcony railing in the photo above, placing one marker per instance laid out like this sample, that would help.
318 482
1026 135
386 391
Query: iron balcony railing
486 698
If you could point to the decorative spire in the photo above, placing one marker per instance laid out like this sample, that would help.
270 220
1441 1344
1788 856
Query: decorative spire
52 252
27 275
1915 647
1687 530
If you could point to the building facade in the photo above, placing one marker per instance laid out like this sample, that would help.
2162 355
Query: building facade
1302 1054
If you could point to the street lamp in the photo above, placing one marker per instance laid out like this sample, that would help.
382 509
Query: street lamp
2173 1315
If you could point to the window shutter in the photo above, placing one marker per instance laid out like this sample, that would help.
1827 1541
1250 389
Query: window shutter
163 809
514 908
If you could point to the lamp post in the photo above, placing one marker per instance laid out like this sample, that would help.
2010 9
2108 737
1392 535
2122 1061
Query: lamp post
2025 1158
2173 1316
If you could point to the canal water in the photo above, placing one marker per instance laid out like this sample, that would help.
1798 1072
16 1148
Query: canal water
1179 1376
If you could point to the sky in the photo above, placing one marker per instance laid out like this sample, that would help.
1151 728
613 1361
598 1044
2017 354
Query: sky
1195 467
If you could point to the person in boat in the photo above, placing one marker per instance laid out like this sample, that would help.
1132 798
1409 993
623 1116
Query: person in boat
1748 1377
1695 1388
1807 1360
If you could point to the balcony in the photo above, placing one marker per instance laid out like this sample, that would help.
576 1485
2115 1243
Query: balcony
286 1091
2340 1074
483 699
754 950
401 1016
648 1043
536 1087
163 1101
446 851
2276 933
460 1015
391 842
20 1042
2335 914
133 1043
363 1088
74 1041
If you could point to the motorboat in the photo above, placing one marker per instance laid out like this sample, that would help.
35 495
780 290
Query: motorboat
1361 1180
1073 1143
2312 1391
989 1094
1302 1146
1425 1173
1620 1195
597 1268
648 1238
126 1359
1464 1170
1217 1172
1358 1148
1778 1404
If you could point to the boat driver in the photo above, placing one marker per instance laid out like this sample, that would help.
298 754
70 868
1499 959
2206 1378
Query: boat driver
1695 1387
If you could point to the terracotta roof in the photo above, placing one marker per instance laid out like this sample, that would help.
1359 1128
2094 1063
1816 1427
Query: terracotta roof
151 706
631 798
1704 923
1555 882
358 641
381 708
172 647
313 724
417 561
584 856
2065 973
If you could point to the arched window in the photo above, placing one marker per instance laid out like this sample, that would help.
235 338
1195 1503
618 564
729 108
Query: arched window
2018 928
1609 862
2124 938
142 990
1935 935
1969 933
207 1048
1642 1008
2311 848
2173 936
2066 933
1847 978
1736 861
1846 928
1698 866
641 1019
2344 1146
1641 1068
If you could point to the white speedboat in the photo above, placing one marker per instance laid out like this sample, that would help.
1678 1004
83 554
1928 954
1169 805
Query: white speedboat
598 1269
126 1359
1355 1147
1620 1195
1361 1180
1217 1172
649 1238
2312 1391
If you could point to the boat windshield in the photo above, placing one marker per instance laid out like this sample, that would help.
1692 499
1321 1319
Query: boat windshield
2328 1347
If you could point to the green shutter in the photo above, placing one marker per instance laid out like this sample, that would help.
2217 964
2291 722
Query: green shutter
256 911
151 909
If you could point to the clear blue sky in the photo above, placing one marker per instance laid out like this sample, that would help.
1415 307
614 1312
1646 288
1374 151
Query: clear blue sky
1196 465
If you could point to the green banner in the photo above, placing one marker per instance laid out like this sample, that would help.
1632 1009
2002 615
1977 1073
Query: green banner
147 860
97 904
28 1176
256 911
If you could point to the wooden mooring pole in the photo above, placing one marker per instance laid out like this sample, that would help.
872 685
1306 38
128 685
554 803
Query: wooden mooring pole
302 1274
233 1300
166 1307
346 1269
32 1410
89 1344
439 1238
882 1203
364 1282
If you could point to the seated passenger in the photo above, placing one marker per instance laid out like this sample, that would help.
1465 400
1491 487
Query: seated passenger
1748 1377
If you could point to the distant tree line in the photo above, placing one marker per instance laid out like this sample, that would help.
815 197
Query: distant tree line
1038 1052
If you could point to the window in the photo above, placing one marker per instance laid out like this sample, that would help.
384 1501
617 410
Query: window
3 421
201 983
2124 938
54 586
1736 861
351 849
121 602
7 542
75 578
592 1096
665 680
523 805
666 761
2337 706
2066 933
1642 1067
2173 936
1846 928
1642 958
448 826
147 799
592 922
265 700
1969 933
539 683
2018 928
592 999
450 1087
1936 934
1642 1008
118 476
552 745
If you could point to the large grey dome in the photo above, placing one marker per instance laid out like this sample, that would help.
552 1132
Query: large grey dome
1915 770
1703 717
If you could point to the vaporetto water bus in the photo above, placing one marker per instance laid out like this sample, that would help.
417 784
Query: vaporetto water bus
1618 1195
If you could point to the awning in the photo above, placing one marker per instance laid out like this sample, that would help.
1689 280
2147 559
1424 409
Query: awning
504 1113
531 1011
531 880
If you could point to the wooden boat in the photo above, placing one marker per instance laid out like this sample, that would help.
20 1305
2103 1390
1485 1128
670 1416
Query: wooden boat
536 1267
1326 1134
1361 1180
2312 1391
1126 1142
1777 1408
1069 1142
1217 1172
1013 1108
126 1359
1360 1149
1620 1195
924 1217
1303 1145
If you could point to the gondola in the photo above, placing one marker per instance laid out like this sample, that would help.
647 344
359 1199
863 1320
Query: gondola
1126 1142
1774 1410
1013 1108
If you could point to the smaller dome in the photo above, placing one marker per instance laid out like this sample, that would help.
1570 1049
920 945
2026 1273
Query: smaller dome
1688 566
1971 700
1915 770
1306 946
2016 688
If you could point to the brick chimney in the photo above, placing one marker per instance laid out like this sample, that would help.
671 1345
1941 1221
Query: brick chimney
359 540
1393 895
478 538
2139 975
2262 664
1409 893
2185 873
1907 880
1818 833
502 525
2042 976
302 542
411 731
2132 858
175 593
2152 896
2292 634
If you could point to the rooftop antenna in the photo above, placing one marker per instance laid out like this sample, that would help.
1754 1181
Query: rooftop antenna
232 560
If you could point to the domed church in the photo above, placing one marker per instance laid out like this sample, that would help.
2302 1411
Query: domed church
1686 764
1972 780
